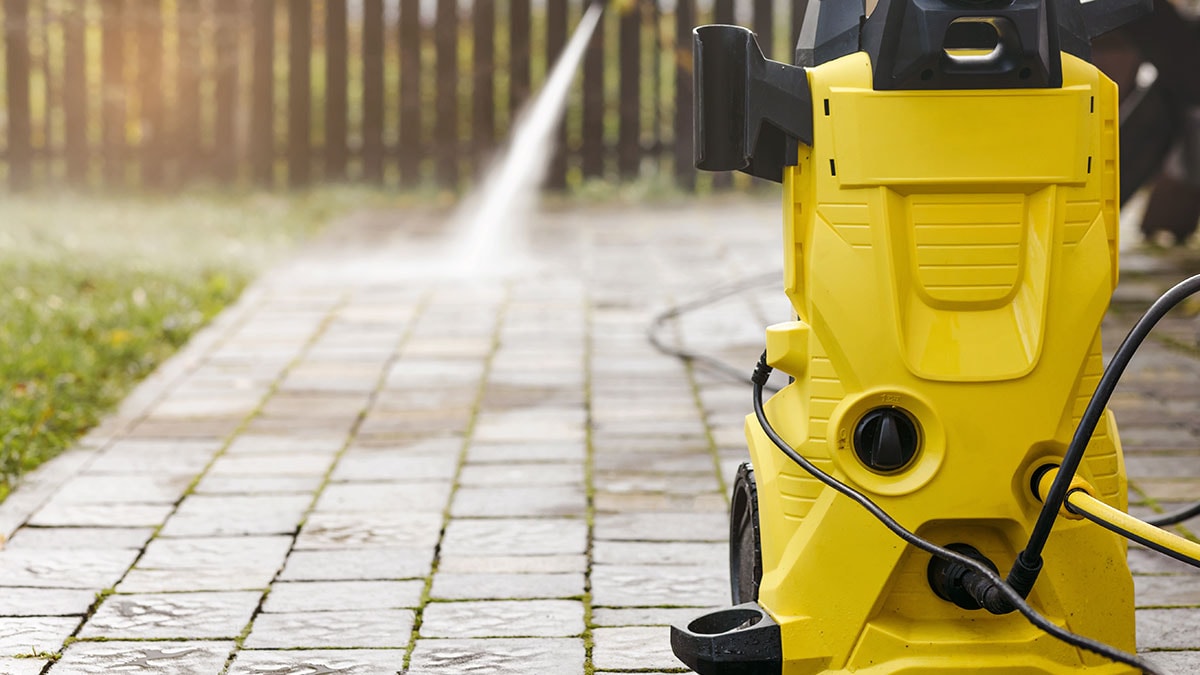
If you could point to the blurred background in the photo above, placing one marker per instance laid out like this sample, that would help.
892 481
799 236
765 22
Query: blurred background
414 94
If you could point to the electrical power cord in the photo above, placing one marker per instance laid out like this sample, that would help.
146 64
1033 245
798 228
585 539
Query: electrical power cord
1029 562
763 371
714 295
1175 517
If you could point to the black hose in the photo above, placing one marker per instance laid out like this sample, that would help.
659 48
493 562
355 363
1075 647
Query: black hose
763 371
1175 517
1031 556
712 296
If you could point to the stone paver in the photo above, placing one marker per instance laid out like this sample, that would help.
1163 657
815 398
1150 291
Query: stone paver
347 661
156 658
355 449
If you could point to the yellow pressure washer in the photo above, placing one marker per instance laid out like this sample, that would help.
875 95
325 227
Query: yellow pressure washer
950 182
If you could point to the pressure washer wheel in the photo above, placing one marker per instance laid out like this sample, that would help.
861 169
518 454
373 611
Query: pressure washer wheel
745 544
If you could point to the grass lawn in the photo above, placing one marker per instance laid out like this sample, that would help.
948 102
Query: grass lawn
95 293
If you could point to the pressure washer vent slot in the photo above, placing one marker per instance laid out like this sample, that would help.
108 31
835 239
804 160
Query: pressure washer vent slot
967 252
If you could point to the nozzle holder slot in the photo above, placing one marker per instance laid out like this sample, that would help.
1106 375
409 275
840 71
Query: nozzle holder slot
738 640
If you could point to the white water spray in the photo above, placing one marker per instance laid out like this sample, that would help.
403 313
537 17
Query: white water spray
489 231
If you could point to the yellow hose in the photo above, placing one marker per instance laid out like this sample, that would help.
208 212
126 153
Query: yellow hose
1089 505
1079 501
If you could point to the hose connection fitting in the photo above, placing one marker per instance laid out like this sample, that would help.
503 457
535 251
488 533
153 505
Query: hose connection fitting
1044 477
954 582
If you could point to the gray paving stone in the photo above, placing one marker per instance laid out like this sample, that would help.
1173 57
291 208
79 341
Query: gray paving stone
207 564
172 615
335 629
506 454
427 497
644 616
661 553
336 530
498 656
332 596
165 658
290 464
1144 561
663 527
645 502
659 585
633 648
35 538
93 569
158 457
451 586
257 485
534 501
385 466
311 662
532 474
248 444
361 564
1167 629
1167 591
34 634
131 489
517 564
10 666
629 483
535 618
1177 663
527 536
217 515
44 602
61 513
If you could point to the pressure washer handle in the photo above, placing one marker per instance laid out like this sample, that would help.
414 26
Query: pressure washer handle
750 111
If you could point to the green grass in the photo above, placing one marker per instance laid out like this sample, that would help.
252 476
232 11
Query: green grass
95 293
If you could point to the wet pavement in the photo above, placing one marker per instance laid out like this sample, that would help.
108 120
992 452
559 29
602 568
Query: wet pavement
359 470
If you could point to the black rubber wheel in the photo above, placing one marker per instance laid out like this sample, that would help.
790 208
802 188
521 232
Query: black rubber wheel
745 543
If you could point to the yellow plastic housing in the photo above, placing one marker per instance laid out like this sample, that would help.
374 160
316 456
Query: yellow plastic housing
951 253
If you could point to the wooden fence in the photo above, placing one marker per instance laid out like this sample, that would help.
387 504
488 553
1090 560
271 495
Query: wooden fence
158 94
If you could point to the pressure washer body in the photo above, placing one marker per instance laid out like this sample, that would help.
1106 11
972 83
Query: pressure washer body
950 249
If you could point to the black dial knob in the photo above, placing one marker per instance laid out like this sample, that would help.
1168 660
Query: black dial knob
886 439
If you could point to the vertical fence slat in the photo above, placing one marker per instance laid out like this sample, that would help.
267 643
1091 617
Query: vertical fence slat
335 89
764 25
446 129
799 8
299 91
112 78
186 132
150 53
410 92
629 138
372 128
262 116
723 13
556 39
225 120
16 52
592 147
519 77
483 116
49 93
74 92
685 173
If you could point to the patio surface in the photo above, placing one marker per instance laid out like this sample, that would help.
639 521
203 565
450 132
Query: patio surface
354 470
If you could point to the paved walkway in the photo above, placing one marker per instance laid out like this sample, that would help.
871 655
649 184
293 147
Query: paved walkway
356 471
